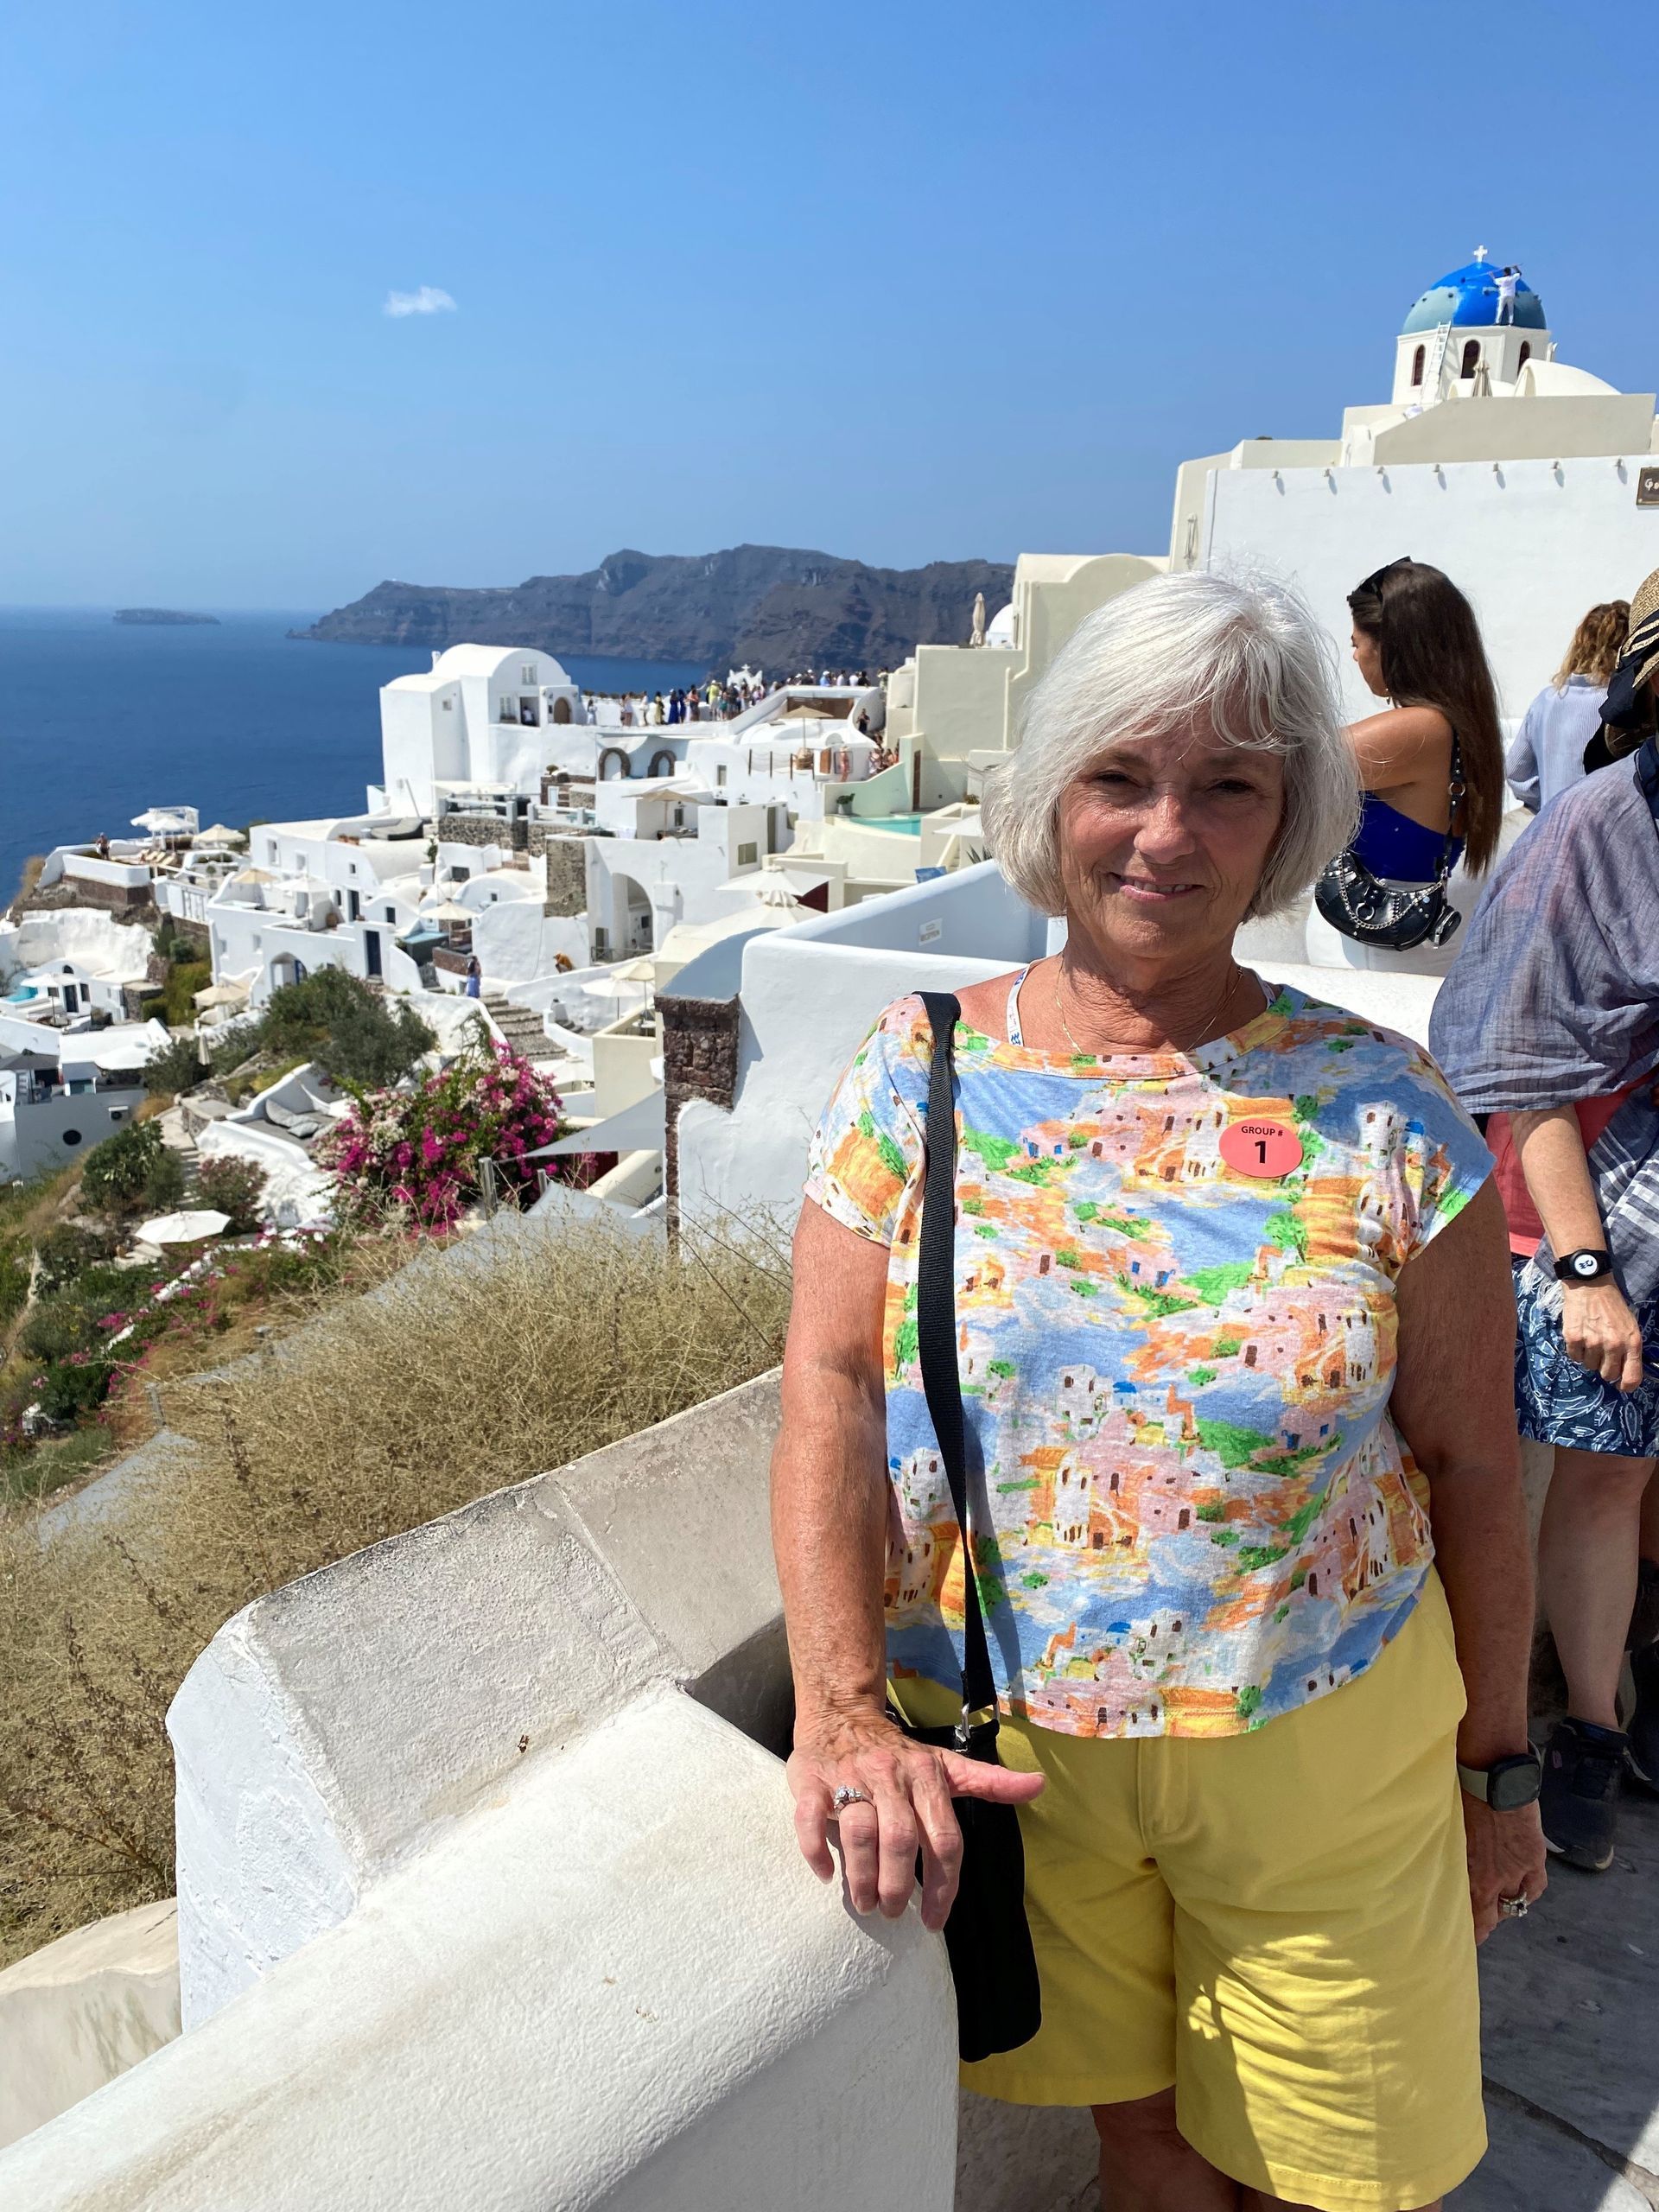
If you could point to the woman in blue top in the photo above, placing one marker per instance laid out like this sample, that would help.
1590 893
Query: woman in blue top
1417 645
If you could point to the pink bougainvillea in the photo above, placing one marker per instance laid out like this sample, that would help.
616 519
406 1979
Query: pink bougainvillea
421 1150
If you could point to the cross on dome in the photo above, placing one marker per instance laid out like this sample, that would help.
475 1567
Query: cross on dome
1481 254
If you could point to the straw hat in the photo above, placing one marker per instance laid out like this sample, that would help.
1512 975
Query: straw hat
1642 642
1626 718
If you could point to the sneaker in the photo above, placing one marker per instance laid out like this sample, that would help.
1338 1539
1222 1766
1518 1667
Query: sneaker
1644 1716
1583 1766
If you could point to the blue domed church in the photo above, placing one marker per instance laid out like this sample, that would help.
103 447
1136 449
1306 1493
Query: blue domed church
1452 344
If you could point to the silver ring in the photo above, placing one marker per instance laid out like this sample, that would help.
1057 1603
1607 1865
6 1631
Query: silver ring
848 1795
1516 1907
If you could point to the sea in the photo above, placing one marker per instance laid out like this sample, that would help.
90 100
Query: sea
100 720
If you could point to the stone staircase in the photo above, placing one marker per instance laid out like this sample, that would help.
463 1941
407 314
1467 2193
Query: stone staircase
521 1026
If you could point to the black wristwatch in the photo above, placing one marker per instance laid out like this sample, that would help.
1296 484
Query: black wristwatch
1588 1266
1507 1784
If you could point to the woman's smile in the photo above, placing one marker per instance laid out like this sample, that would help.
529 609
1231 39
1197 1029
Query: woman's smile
1146 892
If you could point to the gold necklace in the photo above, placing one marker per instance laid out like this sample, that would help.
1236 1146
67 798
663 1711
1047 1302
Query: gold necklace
1231 984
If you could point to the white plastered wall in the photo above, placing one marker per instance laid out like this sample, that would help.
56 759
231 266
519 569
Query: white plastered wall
1532 546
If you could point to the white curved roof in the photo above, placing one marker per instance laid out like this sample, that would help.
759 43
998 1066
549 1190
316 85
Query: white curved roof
449 666
1554 381
486 660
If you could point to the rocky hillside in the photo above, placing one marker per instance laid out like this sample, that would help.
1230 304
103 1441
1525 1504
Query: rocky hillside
777 608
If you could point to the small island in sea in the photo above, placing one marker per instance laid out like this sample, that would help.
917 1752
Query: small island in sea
159 617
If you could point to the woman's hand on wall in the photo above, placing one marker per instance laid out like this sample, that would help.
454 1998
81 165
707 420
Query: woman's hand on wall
909 1787
1601 1333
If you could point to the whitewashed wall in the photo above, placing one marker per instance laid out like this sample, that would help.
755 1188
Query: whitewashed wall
1532 546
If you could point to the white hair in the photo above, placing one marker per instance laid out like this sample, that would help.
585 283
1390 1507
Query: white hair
1243 653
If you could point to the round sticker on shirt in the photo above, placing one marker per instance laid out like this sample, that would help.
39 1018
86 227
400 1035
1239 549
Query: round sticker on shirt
1263 1150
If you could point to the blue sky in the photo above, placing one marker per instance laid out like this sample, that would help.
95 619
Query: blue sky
907 282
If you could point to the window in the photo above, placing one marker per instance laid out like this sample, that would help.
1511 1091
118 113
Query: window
748 856
527 673
1526 355
448 706
1470 358
720 779
353 908
72 1136
391 914
1417 360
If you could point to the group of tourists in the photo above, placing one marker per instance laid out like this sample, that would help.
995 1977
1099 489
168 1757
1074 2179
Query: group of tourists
713 701
1147 1497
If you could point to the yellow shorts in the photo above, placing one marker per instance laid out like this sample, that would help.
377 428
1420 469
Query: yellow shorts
1278 1923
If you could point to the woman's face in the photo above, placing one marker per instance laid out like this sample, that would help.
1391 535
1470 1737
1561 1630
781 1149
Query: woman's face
1368 659
1163 842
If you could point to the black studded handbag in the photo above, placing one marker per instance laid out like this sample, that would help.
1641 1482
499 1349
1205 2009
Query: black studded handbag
1363 906
987 1937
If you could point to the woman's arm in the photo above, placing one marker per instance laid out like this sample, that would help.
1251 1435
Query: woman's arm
1521 763
1454 1402
830 1506
1599 1330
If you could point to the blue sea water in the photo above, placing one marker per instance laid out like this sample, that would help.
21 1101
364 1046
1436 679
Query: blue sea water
99 720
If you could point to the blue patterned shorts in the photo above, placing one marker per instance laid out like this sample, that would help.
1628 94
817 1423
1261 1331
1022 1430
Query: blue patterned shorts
1558 1402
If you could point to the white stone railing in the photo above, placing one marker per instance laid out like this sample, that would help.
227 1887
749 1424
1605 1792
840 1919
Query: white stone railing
489 1898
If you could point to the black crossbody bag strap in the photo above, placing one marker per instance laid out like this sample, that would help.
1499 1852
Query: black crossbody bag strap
988 1937
936 1336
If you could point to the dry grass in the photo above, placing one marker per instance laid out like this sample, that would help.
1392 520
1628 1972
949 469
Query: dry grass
449 1381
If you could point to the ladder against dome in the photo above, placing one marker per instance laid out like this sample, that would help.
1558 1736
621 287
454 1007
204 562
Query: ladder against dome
1454 343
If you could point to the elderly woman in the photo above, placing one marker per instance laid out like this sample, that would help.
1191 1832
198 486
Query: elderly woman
1234 1331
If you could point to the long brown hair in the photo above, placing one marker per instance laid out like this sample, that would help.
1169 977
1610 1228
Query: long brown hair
1597 644
1429 645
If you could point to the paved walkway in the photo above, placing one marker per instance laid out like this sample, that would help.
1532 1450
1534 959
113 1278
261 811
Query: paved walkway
1571 2040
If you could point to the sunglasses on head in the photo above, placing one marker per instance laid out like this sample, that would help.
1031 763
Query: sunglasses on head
1373 582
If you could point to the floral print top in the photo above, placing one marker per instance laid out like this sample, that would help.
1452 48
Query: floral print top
1176 1326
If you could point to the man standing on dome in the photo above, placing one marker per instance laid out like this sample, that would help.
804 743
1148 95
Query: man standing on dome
1507 278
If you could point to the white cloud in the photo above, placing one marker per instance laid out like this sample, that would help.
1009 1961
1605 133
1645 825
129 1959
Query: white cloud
427 301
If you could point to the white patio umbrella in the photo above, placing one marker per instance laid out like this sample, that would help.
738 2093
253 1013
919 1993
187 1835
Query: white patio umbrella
223 994
450 910
220 834
189 1227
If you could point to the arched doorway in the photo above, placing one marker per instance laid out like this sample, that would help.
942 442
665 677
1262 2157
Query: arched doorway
1470 358
613 764
1417 360
561 710
631 929
662 764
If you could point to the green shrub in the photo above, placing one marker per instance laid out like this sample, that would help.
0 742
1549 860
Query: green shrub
132 1172
65 1252
233 1186
14 1277
178 1066
178 994
57 1327
164 1184
71 1389
355 1034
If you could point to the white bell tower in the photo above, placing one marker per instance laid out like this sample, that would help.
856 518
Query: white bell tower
1454 346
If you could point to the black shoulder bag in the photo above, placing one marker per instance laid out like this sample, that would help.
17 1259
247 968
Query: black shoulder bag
999 2002
1363 906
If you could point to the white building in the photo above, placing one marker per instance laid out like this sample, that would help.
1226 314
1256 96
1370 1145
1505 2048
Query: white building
63 1092
484 720
1532 484
674 853
313 894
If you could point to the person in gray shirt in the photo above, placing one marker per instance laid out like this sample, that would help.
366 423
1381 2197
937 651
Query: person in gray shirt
1548 754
